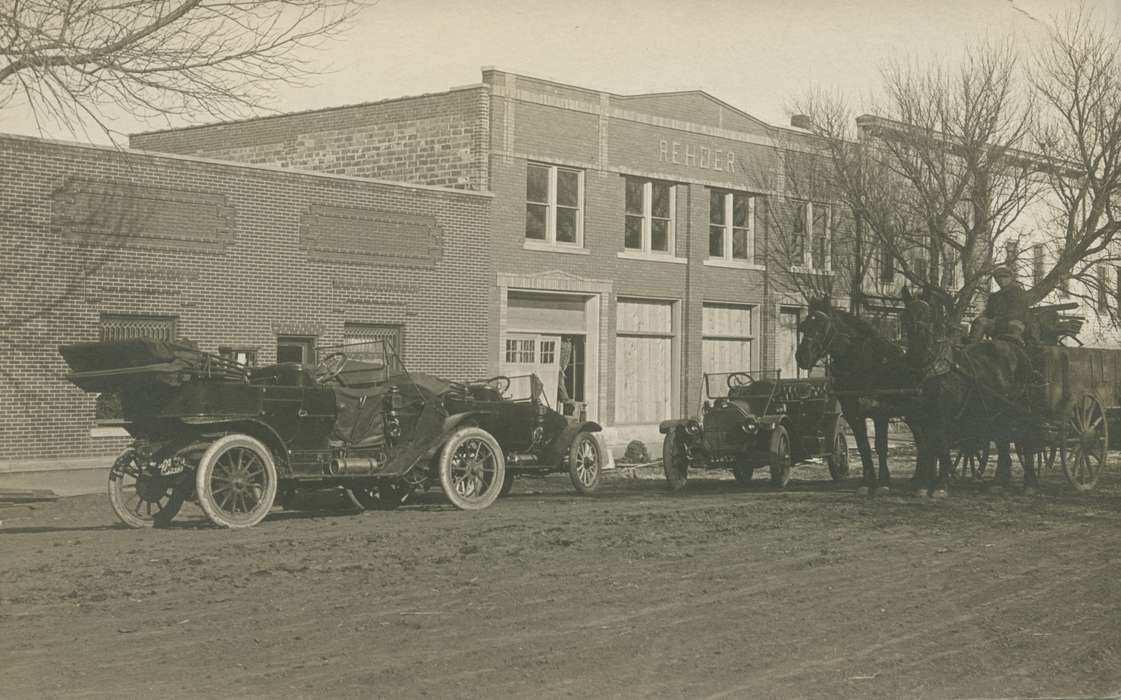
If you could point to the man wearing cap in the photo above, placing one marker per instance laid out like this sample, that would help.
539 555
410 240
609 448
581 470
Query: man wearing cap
1006 311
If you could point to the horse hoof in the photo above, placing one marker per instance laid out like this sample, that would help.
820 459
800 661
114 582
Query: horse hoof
882 490
862 491
939 493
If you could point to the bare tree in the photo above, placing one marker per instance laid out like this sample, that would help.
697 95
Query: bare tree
1077 76
78 60
938 177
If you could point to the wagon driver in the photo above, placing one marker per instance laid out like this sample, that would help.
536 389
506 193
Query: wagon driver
1006 311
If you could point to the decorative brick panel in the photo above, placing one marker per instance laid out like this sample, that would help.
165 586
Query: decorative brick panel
370 237
127 214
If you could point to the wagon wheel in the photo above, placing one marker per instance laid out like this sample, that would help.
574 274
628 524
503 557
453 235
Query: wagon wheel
973 457
780 459
472 468
1085 441
379 495
236 481
675 461
139 497
838 459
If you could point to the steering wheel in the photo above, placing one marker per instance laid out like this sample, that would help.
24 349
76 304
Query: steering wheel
330 367
499 384
740 379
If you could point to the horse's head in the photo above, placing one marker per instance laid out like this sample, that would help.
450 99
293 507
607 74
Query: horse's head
819 333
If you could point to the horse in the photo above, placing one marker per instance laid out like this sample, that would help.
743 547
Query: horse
968 394
870 375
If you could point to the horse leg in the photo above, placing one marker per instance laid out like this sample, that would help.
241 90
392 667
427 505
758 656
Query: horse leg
1031 479
1003 476
941 487
884 486
860 436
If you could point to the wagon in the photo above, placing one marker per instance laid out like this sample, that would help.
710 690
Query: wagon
756 419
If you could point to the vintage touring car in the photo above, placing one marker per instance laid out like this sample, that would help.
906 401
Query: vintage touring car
757 419
238 439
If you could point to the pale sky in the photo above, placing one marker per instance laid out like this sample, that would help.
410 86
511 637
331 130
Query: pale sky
757 55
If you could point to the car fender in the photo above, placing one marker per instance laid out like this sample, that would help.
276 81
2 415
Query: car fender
769 422
453 423
558 450
250 426
691 426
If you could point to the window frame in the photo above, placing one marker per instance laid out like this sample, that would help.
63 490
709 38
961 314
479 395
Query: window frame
729 228
552 206
807 238
648 218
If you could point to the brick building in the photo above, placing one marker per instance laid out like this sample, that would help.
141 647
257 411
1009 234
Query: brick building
250 261
628 234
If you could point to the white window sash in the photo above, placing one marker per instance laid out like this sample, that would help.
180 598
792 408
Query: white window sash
552 207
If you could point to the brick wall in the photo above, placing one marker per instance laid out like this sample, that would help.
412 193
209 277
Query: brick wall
439 139
251 270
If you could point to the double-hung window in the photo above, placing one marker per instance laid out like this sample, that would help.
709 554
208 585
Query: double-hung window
650 213
731 229
554 205
811 231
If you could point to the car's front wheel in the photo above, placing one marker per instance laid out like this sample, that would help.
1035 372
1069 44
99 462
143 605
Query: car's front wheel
675 461
236 481
472 469
780 459
584 462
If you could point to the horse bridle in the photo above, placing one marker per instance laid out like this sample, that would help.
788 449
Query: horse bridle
821 347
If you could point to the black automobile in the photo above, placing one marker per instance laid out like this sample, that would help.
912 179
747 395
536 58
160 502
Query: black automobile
239 439
535 438
757 419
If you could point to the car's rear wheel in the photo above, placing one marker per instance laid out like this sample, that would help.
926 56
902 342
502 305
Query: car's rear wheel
472 469
780 457
139 497
236 481
675 461
838 459
584 462
379 495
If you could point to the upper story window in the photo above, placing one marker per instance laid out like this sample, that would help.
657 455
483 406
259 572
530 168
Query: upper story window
811 230
554 205
731 225
650 212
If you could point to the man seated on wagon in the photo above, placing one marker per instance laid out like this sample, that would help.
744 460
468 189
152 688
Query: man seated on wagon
1006 311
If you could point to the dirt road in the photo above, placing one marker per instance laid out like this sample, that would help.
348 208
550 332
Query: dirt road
720 592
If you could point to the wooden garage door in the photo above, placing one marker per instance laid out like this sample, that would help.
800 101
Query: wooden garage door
643 361
727 338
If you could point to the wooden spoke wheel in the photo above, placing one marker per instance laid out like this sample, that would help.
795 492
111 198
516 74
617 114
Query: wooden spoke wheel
780 459
838 459
584 462
675 460
472 469
139 494
1085 441
971 460
236 481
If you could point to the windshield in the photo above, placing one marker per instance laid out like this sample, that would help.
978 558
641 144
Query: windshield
720 385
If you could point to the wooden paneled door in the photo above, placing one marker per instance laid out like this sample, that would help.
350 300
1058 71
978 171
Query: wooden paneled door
727 338
643 361
532 353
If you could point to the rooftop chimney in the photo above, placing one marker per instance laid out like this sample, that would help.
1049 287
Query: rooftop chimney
801 121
